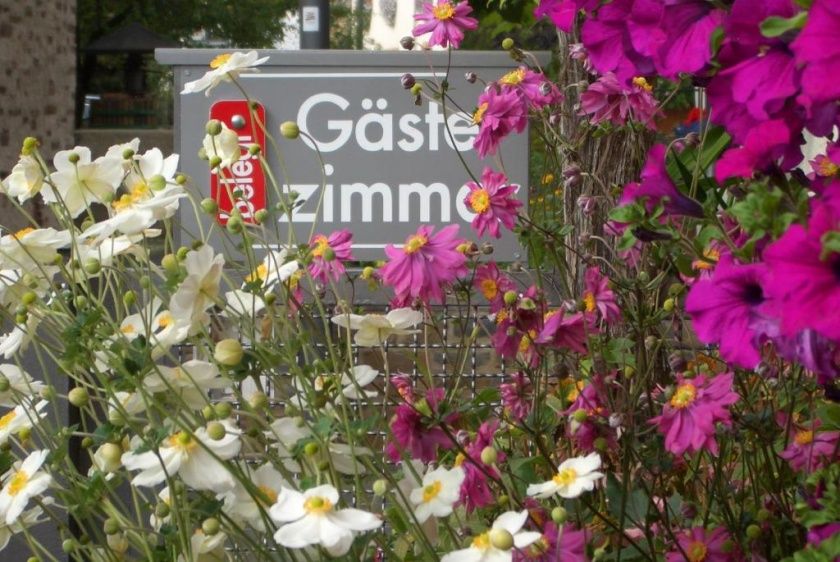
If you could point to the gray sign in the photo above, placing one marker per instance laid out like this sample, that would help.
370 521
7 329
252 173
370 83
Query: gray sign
390 164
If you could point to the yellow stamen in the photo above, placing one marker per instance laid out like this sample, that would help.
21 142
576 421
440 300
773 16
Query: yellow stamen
7 419
165 320
527 339
220 60
459 459
801 437
268 496
589 301
501 316
642 83
431 491
321 246
479 200
513 78
443 11
565 477
482 541
711 257
825 167
415 243
128 329
696 551
684 395
260 273
182 440
23 232
575 392
479 113
317 505
489 288
18 482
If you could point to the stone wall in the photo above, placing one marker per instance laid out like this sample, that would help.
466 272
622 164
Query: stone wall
37 80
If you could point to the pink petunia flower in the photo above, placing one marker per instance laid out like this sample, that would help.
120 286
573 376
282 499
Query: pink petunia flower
446 22
763 145
609 100
689 417
499 113
493 202
702 546
562 12
492 284
516 396
810 449
657 187
329 254
425 265
597 296
817 51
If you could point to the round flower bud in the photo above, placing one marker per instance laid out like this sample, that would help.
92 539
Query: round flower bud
753 531
228 352
580 415
92 266
270 299
28 298
258 401
488 455
128 154
407 42
367 272
668 305
501 539
629 371
261 216
762 515
145 281
25 433
416 89
380 487
157 182
111 526
216 431
510 298
129 298
30 144
80 301
503 499
290 130
323 465
162 509
78 396
223 410
407 80
73 157
180 179
210 526
470 77
169 262
600 444
182 252
643 277
213 127
21 318
111 453
215 161
209 206
329 254
311 449
507 44
234 225
68 546
116 418
254 149
558 515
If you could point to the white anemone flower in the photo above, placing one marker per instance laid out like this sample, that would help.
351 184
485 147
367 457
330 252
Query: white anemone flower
206 548
117 151
310 518
27 519
375 329
497 544
14 283
22 416
156 522
223 68
26 179
574 476
275 268
438 493
84 182
244 304
224 146
193 457
352 386
200 289
30 247
241 504
19 338
21 385
191 381
285 434
23 481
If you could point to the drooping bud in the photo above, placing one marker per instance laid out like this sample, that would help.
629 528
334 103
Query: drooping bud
290 130
213 127
407 42
228 352
407 80
471 77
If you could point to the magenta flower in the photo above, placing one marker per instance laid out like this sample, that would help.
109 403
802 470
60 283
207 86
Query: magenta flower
826 174
686 28
425 265
499 113
813 351
516 396
810 449
598 296
568 546
416 434
688 419
445 21
817 51
588 397
609 43
562 12
804 279
609 100
657 187
493 202
697 545
564 331
475 490
763 145
329 255
492 284
534 86
725 307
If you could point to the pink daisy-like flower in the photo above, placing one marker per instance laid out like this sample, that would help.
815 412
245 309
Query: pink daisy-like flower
609 100
329 254
598 296
475 490
415 433
564 331
554 546
588 397
445 21
493 202
425 265
809 449
702 546
492 284
499 113
516 396
537 89
689 417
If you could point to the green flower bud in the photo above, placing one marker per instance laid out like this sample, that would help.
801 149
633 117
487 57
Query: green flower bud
73 157
270 299
80 301
763 515
162 509
210 526
111 526
254 149
5 385
223 410
510 298
329 254
28 298
290 130
668 305
258 401
29 145
228 352
116 418
214 162
629 371
216 431
559 515
78 396
261 216
180 179
580 415
169 262
501 539
643 277
753 531
380 487
507 44
213 127
21 318
129 299
68 546
87 443
182 252
323 465
234 225
145 281
25 433
208 412
209 206
128 154
157 182
111 454
92 266
488 455
311 449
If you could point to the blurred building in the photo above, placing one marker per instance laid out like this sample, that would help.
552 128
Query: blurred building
390 21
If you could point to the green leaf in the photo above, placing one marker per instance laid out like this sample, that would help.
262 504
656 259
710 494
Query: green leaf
829 415
776 26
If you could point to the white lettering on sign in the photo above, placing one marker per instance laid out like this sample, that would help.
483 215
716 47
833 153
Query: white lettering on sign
375 132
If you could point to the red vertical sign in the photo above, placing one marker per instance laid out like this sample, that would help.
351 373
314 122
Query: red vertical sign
242 185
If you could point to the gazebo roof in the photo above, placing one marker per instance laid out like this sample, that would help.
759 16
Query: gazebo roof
131 38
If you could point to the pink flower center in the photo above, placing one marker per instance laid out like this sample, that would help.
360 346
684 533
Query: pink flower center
480 201
414 243
443 11
685 395
696 551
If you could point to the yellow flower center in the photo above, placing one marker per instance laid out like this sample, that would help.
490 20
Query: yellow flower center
482 541
684 396
18 482
260 273
268 496
317 505
415 243
801 437
294 280
825 167
575 392
479 113
165 320
696 551
527 339
139 192
321 246
182 440
22 232
220 60
431 491
127 329
513 78
642 83
501 316
589 301
443 11
459 459
547 179
565 477
489 289
711 257
7 419
480 201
